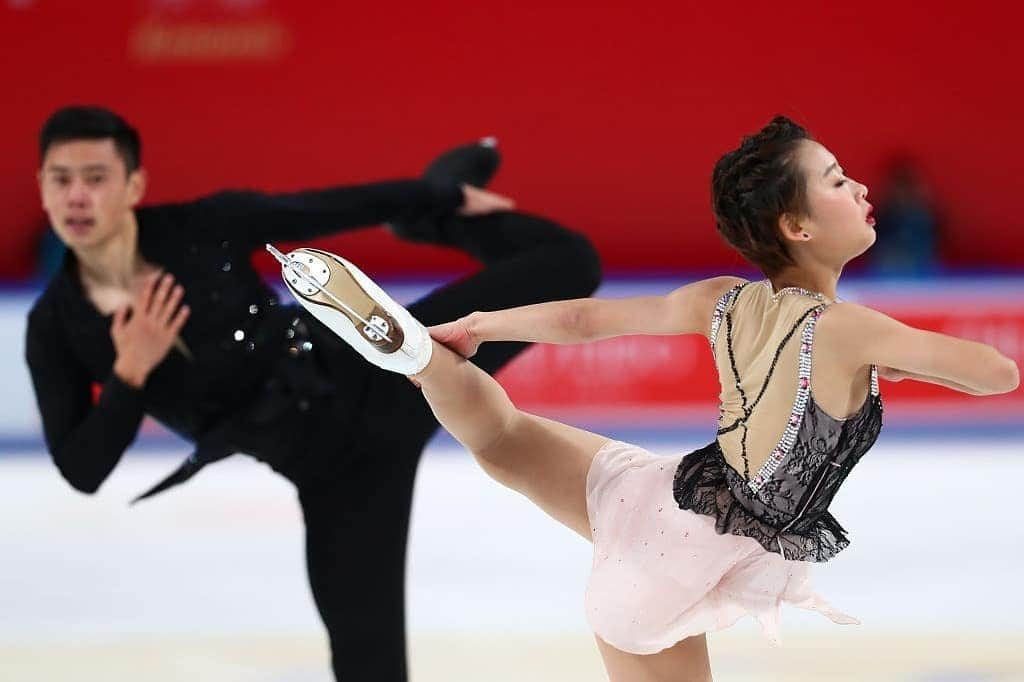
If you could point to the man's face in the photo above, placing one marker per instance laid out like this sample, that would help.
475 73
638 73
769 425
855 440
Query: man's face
87 192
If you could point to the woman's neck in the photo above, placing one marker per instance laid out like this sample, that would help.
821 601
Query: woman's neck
821 281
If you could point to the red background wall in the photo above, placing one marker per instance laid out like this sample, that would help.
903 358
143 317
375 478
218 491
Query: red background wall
610 116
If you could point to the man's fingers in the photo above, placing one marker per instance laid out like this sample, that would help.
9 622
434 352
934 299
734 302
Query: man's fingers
159 299
493 200
119 316
146 297
166 311
179 319
504 203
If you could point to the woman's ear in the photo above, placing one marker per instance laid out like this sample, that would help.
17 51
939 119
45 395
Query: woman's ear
791 230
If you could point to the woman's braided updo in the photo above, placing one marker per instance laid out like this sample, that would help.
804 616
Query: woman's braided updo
751 187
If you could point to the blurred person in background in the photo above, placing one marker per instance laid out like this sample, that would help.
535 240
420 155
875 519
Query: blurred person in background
908 224
161 308
691 543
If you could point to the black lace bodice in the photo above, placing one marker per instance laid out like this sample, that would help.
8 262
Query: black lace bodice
784 506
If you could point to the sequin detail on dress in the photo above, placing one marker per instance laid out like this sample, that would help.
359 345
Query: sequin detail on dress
796 416
776 295
716 318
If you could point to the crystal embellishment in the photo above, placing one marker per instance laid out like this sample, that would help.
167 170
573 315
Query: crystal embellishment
719 314
800 291
796 417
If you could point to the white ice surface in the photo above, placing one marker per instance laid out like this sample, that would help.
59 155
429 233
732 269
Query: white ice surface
937 534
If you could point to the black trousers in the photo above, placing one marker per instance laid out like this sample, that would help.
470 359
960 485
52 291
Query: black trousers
356 509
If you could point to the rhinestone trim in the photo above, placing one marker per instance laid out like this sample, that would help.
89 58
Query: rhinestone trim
816 295
719 314
796 416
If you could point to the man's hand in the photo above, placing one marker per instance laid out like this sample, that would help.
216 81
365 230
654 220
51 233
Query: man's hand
144 331
457 335
477 201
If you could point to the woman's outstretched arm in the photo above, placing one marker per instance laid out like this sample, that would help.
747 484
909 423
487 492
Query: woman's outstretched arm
686 310
918 354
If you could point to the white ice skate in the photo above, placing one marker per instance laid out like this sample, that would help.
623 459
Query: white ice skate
338 294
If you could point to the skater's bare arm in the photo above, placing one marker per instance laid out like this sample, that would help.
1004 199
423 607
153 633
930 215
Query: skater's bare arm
871 337
891 374
687 310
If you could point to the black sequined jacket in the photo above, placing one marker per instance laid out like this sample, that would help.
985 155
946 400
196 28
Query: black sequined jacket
238 341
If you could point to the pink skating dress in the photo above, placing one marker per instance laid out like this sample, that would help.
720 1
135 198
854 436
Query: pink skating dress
690 544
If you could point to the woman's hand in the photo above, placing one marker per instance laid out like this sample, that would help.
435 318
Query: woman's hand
144 331
457 335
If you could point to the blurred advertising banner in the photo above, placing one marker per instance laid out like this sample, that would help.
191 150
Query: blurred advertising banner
654 379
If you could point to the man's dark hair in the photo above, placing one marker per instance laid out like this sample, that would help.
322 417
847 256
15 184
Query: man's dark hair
751 187
92 123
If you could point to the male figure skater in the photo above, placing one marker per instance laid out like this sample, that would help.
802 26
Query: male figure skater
161 307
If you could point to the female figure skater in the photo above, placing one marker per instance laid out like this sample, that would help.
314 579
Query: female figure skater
689 544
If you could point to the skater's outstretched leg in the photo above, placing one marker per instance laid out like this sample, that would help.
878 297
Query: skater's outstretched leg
545 460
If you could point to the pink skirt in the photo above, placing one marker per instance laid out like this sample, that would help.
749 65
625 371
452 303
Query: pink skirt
662 574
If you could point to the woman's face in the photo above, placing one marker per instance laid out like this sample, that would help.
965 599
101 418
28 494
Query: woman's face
839 221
